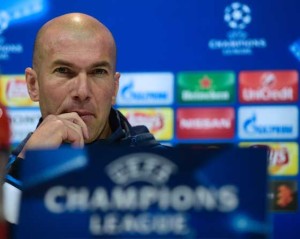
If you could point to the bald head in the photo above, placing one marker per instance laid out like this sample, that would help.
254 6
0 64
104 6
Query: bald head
73 25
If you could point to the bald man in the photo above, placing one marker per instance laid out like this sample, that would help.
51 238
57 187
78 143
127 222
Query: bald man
74 79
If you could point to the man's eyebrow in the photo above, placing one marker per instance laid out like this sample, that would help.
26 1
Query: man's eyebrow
62 62
97 64
102 64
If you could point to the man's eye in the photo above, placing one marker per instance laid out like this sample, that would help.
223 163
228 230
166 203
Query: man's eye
100 72
62 70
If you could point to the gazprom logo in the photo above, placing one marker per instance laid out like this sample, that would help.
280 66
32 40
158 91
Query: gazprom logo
146 89
250 127
129 93
23 120
274 122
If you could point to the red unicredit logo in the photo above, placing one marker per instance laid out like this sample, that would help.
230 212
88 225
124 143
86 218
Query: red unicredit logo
268 86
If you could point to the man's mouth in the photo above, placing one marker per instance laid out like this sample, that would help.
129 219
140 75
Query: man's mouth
85 115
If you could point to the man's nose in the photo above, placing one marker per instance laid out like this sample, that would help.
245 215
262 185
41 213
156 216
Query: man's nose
81 88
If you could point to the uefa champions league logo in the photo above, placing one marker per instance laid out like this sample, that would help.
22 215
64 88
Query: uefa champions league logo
4 20
238 42
237 15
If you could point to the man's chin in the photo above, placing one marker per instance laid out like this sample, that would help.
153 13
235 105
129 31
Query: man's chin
88 141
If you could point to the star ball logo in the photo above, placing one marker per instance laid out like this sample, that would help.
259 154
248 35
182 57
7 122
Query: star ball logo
6 49
4 21
17 12
237 15
238 43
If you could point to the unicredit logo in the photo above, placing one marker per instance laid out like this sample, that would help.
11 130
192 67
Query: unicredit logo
266 94
268 86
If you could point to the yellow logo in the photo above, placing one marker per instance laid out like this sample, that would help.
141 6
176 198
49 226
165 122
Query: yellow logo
159 121
283 158
13 91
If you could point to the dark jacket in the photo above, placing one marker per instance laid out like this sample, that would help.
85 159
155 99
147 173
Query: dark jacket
123 134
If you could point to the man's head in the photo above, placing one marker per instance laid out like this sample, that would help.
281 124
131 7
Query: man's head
74 70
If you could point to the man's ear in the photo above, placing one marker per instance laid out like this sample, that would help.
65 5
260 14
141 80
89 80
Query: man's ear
32 84
116 82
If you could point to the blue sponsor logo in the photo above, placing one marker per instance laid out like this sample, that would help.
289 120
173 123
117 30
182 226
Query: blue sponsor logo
251 127
18 11
128 93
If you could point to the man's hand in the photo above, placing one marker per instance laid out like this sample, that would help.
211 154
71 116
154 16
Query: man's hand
56 129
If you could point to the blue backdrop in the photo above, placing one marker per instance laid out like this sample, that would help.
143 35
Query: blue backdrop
179 36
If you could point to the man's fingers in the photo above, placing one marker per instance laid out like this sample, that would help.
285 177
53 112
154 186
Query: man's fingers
83 126
75 118
56 129
73 134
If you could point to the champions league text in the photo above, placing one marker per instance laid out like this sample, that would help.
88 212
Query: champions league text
140 210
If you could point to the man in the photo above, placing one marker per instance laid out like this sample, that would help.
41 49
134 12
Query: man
74 79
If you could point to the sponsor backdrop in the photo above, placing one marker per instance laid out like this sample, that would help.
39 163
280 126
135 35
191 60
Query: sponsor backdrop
211 72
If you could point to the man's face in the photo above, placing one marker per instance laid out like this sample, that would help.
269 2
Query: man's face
77 74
